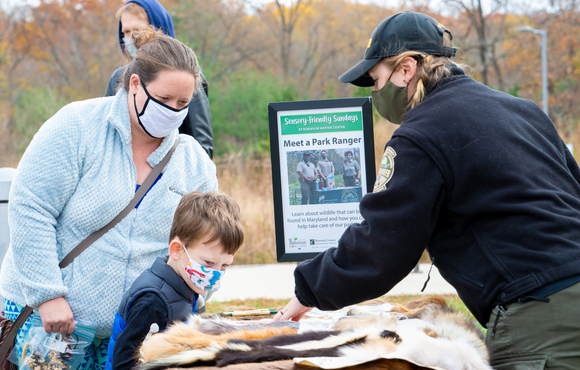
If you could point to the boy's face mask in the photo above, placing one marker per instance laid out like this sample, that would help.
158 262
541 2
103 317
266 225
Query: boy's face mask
205 278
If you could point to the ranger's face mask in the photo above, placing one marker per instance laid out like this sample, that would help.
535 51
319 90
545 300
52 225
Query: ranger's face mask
391 101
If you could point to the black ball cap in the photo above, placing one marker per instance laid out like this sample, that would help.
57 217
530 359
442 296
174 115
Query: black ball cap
408 31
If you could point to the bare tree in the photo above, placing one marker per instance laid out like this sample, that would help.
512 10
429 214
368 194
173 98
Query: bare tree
282 21
220 33
484 44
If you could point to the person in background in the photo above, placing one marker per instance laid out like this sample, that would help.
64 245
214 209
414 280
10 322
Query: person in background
138 14
350 170
307 176
80 171
205 236
325 168
493 194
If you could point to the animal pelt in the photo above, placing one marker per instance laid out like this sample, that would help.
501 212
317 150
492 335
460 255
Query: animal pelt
444 322
419 334
202 338
290 365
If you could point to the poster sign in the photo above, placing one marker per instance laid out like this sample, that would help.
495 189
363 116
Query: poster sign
322 165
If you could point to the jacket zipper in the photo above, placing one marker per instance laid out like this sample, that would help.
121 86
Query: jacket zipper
500 312
428 276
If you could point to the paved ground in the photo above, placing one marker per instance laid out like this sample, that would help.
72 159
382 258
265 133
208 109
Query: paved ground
277 281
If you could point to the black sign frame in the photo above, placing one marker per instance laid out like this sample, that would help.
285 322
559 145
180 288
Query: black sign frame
365 105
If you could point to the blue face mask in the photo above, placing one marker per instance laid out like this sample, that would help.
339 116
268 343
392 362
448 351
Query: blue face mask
130 46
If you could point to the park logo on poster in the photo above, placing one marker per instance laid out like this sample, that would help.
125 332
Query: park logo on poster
322 165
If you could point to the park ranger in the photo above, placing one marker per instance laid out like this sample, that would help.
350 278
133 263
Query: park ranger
483 181
307 175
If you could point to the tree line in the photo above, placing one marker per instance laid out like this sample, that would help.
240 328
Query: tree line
253 53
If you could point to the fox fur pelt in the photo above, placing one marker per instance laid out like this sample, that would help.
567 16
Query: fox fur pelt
425 333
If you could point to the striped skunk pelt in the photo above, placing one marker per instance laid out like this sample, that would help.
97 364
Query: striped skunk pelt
423 333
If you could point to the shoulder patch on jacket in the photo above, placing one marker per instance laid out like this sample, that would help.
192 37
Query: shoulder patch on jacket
386 170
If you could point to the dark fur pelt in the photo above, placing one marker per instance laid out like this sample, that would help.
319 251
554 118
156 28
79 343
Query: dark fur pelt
423 333
281 347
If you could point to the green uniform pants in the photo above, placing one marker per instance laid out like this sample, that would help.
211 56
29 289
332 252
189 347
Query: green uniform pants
537 335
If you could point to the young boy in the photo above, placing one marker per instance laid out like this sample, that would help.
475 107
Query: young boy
205 235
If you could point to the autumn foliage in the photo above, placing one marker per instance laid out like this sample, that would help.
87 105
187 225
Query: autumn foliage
255 52
59 51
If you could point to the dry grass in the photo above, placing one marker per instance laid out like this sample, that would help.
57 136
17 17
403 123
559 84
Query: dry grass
249 182
8 156
254 303
259 303
452 300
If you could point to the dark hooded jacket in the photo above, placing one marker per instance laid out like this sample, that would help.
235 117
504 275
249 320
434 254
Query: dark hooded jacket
197 123
484 182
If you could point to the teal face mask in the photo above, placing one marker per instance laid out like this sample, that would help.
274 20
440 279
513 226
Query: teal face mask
391 102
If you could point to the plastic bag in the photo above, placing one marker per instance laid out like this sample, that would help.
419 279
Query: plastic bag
47 351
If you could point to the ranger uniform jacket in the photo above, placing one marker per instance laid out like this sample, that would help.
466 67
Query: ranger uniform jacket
484 182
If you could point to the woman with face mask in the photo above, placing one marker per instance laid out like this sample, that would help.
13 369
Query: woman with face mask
478 177
80 170
350 170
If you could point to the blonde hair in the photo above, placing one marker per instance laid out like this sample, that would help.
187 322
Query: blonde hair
135 9
158 52
431 70
213 213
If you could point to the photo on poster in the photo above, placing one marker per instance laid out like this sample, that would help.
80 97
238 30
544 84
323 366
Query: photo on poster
322 166
324 176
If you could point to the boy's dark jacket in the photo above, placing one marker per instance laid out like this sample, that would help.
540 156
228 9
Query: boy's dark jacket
484 182
167 292
197 123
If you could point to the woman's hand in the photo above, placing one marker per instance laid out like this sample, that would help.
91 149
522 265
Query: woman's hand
57 316
294 311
